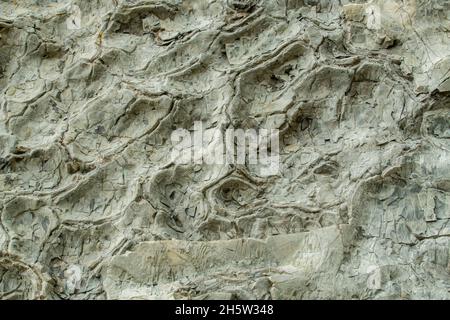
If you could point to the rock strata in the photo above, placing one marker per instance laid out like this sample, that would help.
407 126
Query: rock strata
93 207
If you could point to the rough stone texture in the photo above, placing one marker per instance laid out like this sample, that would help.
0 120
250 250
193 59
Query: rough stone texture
93 208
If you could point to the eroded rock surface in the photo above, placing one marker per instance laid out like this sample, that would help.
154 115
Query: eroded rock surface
92 207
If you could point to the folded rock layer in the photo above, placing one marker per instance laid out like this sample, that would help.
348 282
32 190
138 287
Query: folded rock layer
93 205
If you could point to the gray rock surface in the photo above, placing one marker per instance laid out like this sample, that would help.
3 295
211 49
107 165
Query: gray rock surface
93 208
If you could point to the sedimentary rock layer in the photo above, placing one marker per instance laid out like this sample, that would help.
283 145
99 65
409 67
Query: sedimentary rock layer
94 207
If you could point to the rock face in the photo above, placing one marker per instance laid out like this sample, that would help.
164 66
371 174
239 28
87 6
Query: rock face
93 207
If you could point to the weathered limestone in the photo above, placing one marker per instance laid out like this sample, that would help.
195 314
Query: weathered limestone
93 207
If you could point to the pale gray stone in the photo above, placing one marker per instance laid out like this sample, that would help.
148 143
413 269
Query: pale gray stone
93 207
